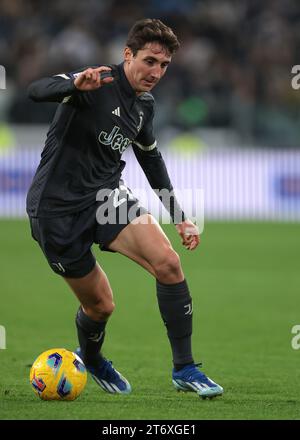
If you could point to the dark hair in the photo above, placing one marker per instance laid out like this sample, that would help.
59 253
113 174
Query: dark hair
151 30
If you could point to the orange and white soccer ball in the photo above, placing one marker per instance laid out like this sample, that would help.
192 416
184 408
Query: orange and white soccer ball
58 374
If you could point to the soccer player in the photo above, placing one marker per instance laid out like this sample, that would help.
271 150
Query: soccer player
103 110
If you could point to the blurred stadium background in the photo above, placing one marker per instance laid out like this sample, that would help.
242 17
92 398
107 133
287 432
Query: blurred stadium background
227 122
226 105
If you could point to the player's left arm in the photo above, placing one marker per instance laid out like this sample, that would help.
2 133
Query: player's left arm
189 233
154 167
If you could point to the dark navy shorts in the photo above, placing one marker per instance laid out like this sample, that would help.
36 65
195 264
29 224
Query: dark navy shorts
66 241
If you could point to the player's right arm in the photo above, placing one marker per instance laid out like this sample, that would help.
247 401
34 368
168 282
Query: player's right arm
58 87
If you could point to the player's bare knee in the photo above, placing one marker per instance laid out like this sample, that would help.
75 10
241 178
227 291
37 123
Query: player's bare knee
100 310
109 309
168 270
106 309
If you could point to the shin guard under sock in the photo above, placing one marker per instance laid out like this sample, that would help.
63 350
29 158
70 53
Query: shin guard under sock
175 305
91 336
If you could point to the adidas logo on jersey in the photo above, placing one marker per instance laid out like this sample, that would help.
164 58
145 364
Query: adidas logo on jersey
116 111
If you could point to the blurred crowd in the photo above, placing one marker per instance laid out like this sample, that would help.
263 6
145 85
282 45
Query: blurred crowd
233 69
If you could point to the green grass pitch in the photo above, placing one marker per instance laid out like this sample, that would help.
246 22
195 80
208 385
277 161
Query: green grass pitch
244 279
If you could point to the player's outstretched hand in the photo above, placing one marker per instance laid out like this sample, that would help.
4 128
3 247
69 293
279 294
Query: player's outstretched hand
90 79
189 234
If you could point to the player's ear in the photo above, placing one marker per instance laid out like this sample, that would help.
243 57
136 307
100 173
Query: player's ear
128 54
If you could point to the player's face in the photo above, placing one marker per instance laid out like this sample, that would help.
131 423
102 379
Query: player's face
147 67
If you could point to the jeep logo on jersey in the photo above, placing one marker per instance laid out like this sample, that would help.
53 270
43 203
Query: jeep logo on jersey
114 139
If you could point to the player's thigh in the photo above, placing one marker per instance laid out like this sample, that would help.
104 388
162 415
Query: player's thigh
66 242
144 241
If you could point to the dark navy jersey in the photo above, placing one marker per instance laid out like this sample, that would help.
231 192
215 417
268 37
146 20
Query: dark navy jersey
86 139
